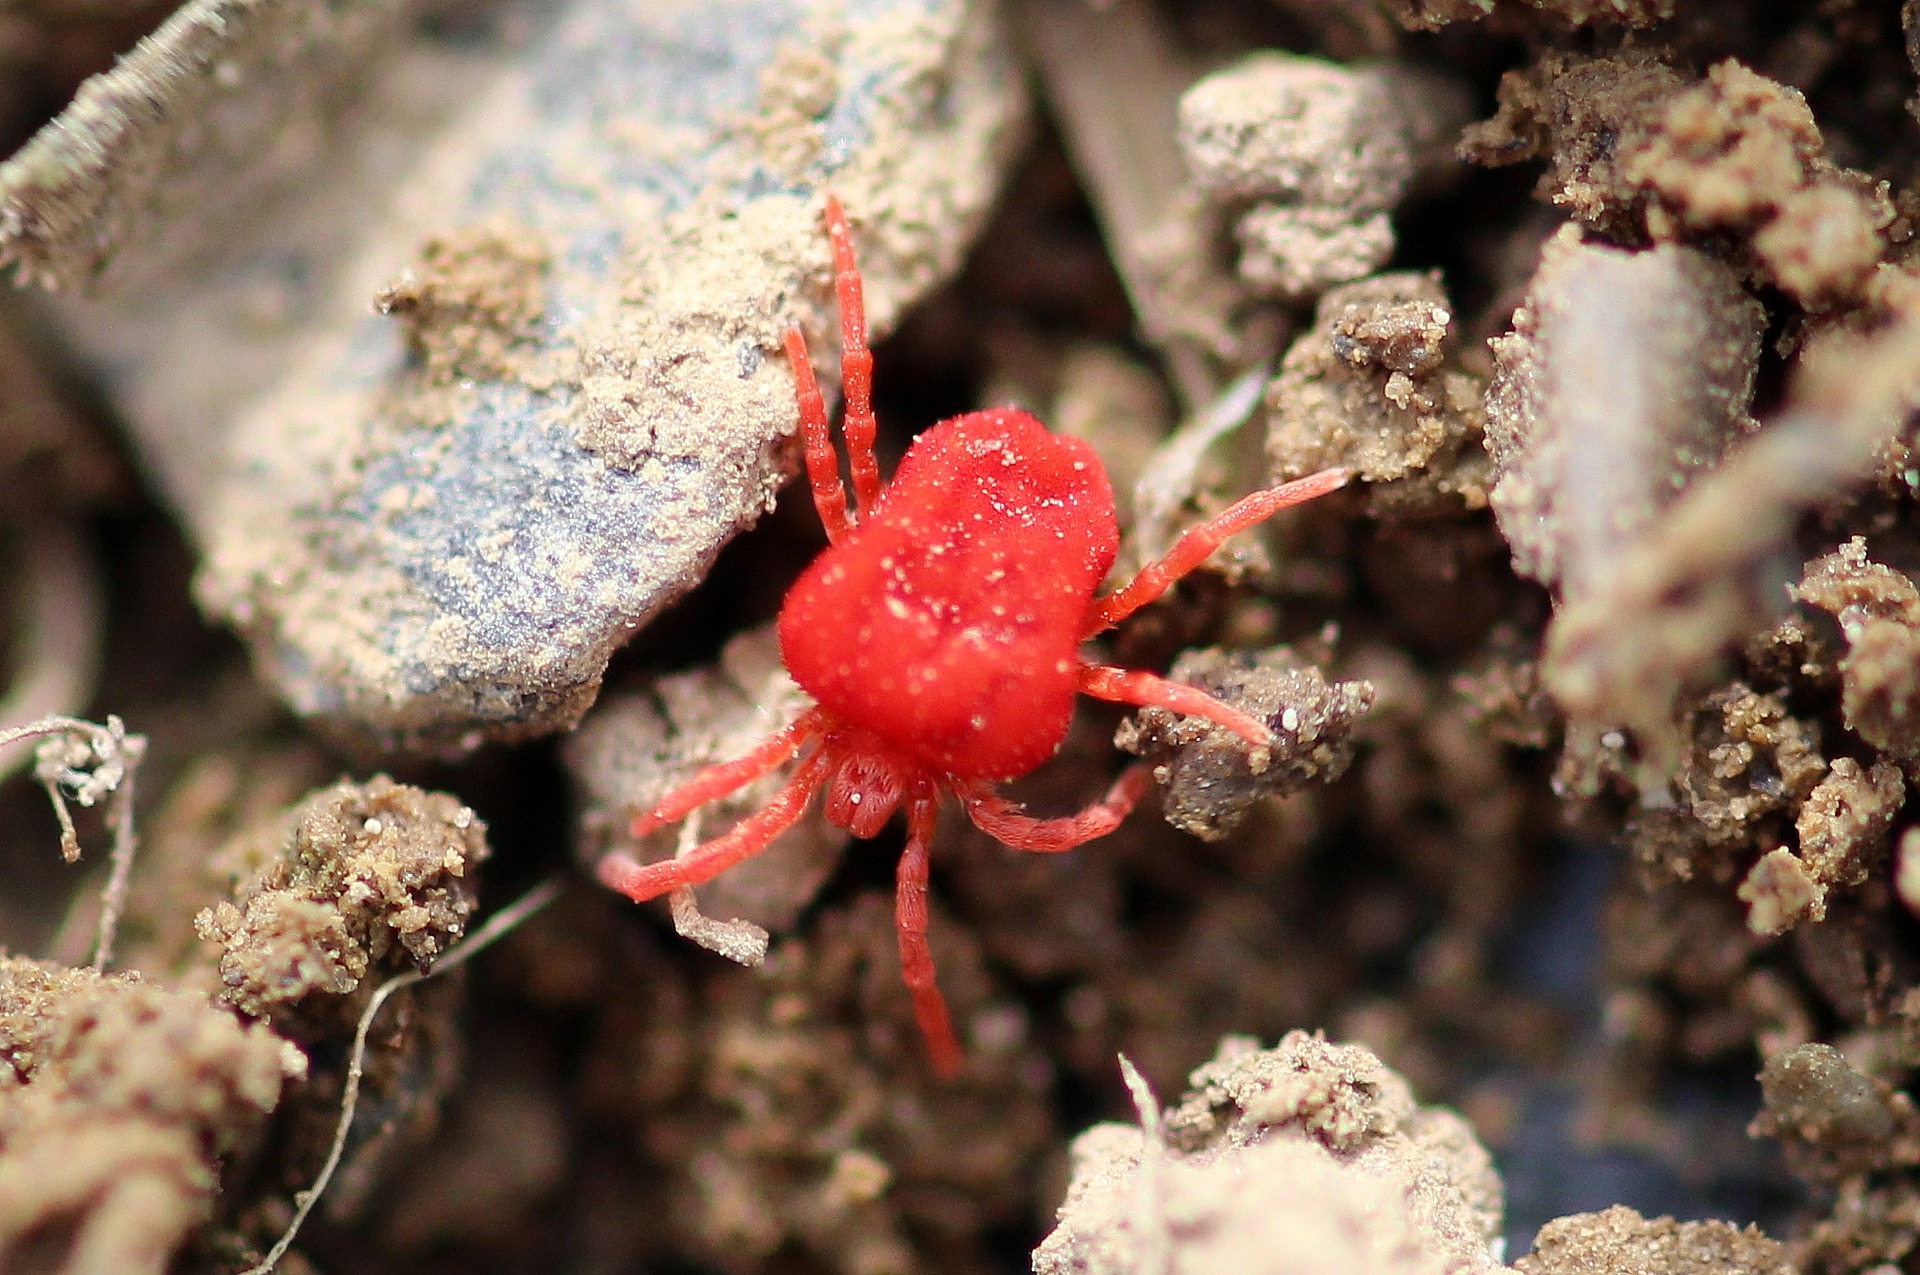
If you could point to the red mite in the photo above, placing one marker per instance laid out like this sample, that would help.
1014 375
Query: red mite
939 635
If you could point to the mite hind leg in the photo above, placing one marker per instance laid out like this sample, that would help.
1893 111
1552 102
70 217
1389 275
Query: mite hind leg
916 955
1006 822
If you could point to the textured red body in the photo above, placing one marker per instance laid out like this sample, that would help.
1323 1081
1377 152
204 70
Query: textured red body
948 622
939 634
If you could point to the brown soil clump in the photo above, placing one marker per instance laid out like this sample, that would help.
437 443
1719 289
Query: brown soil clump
1376 385
1209 780
375 874
1619 1239
119 1101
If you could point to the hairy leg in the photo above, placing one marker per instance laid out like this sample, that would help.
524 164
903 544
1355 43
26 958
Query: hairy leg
1137 686
916 957
643 881
1013 827
1197 544
816 437
718 780
856 362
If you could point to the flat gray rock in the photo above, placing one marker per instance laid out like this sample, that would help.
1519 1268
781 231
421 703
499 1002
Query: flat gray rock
458 404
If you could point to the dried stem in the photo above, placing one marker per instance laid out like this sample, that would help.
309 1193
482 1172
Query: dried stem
741 942
89 762
1157 1254
1120 133
498 926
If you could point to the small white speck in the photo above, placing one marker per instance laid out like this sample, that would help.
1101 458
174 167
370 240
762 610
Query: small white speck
1290 720
373 827
1613 739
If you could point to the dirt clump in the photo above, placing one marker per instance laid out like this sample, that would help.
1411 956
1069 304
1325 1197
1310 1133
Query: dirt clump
1842 830
1208 777
1619 1239
1741 153
371 875
1749 760
475 294
1860 1137
1638 152
119 1101
1307 158
1377 385
1303 1157
328 900
1878 609
1626 375
1583 115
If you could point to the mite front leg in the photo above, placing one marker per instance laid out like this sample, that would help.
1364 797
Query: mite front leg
1137 686
643 881
726 777
816 438
856 362
1197 544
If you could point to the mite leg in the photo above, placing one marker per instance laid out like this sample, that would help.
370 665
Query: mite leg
1136 686
856 362
1198 543
816 437
643 881
717 781
916 957
1013 827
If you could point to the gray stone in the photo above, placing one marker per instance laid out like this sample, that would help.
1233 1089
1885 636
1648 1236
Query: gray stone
589 226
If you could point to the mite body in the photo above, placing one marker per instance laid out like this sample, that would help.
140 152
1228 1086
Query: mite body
939 635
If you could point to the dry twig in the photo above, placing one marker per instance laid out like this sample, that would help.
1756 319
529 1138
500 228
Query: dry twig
498 926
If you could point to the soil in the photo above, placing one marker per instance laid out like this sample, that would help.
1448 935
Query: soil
1583 842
